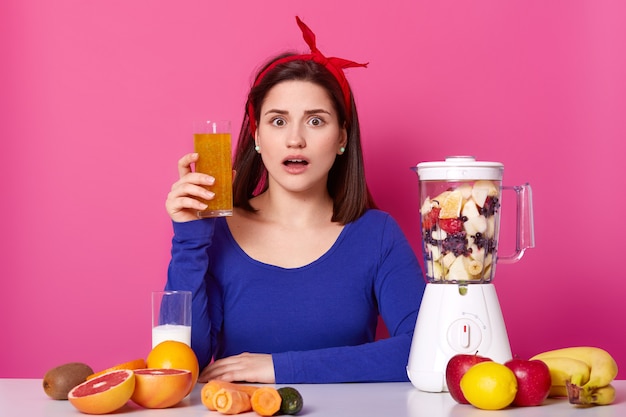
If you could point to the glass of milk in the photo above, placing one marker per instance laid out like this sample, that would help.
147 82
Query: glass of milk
171 316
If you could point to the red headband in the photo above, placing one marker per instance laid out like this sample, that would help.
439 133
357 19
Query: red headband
332 64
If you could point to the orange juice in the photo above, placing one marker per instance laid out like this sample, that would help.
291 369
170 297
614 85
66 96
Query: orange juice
214 150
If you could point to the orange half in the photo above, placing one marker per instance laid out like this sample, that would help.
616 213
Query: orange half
130 365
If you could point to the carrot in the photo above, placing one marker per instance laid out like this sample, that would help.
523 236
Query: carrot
266 401
229 401
210 388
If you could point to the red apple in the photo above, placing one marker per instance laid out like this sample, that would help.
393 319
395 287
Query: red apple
533 381
456 368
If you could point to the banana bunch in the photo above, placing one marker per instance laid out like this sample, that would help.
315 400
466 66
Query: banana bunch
583 374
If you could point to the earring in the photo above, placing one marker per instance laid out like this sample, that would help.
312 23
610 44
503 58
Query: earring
257 148
342 150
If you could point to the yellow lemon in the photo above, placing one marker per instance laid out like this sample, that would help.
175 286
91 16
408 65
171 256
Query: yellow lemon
489 386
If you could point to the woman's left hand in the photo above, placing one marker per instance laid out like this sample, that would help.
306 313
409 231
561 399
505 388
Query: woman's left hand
248 367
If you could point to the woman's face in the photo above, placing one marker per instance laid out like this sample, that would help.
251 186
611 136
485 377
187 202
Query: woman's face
299 135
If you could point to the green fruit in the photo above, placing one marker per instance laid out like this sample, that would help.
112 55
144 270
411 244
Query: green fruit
291 401
59 381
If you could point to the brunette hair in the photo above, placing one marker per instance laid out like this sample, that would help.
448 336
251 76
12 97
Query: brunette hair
346 178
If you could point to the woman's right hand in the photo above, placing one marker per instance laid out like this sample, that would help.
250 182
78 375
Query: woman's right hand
182 204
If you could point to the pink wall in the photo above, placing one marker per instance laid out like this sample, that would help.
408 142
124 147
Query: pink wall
97 99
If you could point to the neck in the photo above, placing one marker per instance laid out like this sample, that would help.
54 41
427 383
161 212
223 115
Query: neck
301 209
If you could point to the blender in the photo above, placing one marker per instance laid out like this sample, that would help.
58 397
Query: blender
460 202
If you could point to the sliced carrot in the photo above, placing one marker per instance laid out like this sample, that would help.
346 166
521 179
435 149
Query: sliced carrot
227 401
266 401
210 388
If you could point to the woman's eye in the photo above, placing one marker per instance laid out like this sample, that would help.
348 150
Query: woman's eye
316 121
277 121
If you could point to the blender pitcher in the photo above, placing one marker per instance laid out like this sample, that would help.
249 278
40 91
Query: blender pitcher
460 203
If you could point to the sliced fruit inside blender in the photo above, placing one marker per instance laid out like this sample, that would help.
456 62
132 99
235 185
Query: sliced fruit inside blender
459 232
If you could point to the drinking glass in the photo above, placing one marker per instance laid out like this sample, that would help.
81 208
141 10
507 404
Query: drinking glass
212 142
171 316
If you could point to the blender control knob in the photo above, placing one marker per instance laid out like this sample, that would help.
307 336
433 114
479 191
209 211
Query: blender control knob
464 335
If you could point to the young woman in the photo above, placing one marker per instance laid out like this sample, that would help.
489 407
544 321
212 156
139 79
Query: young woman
289 289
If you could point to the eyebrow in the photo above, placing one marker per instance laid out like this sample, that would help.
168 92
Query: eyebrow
307 112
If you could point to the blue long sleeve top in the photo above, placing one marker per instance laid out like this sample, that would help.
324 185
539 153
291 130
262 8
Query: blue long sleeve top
318 321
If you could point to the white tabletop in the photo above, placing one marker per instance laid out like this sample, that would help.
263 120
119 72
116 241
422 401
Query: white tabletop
25 397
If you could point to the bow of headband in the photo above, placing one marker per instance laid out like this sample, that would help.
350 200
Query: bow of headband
334 65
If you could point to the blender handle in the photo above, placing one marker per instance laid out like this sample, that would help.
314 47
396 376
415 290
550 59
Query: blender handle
525 233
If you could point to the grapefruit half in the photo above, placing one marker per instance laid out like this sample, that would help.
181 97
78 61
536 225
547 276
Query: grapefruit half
172 354
161 388
132 365
105 393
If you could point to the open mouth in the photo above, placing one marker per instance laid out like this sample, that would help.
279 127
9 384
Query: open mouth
295 162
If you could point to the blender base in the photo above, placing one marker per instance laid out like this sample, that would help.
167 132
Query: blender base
449 323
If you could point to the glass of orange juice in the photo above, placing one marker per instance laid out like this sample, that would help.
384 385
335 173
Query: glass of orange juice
212 142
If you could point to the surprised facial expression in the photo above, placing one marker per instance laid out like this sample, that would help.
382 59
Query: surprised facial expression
299 135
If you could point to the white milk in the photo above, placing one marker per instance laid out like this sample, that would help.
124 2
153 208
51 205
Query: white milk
171 332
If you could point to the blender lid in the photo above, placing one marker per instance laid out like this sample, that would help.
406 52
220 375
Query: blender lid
460 168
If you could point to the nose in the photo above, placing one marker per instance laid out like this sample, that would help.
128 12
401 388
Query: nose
295 138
